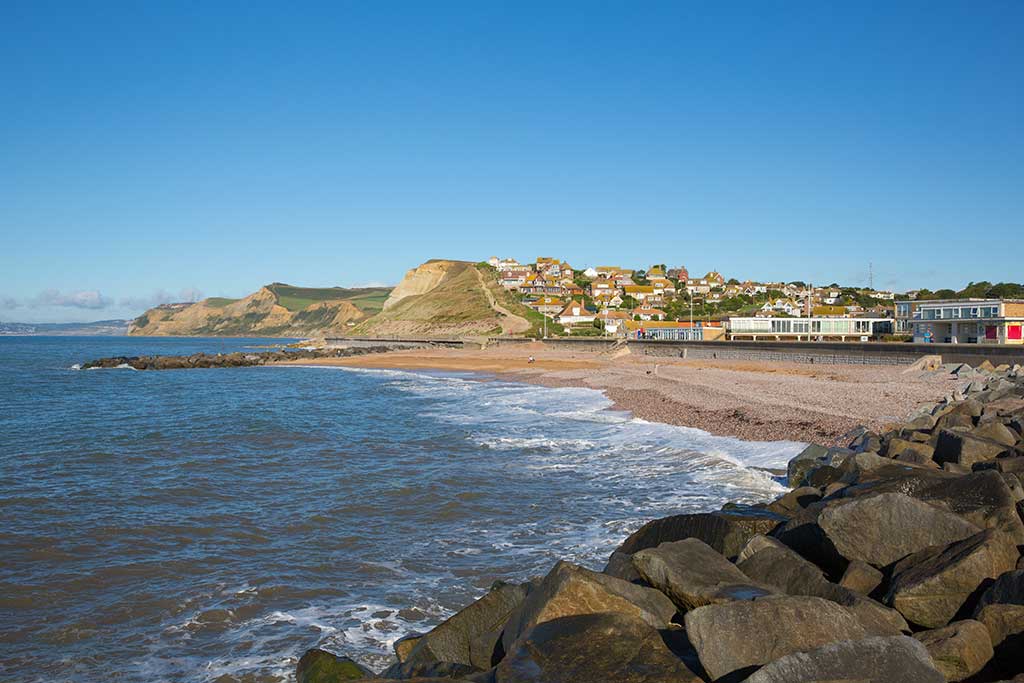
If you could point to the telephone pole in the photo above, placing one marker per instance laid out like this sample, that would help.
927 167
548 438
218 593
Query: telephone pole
871 275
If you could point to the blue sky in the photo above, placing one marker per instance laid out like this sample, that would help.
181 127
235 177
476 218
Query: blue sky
159 150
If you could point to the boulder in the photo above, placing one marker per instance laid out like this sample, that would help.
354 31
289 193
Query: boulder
587 648
1001 606
756 544
692 574
405 645
809 458
795 500
870 660
320 666
996 432
569 589
780 568
954 420
959 650
982 498
964 448
738 636
861 577
469 637
726 531
930 587
881 529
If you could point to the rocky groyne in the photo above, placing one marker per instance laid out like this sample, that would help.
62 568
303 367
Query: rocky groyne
236 359
896 557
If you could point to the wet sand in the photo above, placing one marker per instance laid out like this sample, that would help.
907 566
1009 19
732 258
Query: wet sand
754 400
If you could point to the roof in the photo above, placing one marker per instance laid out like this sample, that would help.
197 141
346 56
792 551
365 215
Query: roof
639 289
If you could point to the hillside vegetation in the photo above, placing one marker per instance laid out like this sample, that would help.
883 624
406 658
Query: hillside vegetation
448 299
276 310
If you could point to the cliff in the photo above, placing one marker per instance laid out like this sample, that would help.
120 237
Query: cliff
276 310
444 298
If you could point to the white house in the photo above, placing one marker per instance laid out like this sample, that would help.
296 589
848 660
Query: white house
575 312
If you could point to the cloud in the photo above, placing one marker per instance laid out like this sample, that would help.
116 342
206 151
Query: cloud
8 303
89 298
162 296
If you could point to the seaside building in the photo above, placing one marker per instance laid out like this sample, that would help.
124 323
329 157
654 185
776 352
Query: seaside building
809 329
962 321
670 330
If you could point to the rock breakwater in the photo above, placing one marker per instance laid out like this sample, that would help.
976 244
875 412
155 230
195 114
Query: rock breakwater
896 556
236 359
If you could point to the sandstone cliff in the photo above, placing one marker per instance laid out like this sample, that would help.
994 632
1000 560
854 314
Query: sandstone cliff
276 310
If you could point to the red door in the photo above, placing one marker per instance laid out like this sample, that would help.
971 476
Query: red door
990 332
1013 332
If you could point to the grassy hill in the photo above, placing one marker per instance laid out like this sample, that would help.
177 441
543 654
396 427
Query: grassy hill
450 299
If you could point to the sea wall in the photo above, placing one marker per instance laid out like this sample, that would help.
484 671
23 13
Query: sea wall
857 353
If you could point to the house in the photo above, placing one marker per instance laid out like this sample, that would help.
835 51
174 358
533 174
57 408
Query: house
548 305
962 321
590 273
504 263
644 294
575 312
694 286
648 314
715 278
787 306
655 272
613 321
679 274
513 278
663 286
754 288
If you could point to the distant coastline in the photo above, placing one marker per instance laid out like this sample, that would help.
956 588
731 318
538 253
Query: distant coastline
105 328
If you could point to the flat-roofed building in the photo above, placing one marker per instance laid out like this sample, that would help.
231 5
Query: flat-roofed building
808 329
962 321
667 330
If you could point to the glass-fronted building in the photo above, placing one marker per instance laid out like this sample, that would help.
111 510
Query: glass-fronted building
809 329
962 321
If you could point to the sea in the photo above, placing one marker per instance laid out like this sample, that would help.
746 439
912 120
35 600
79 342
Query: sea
212 525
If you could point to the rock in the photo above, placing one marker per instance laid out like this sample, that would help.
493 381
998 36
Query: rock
881 529
692 574
780 568
920 423
959 650
861 577
468 637
1001 606
568 590
996 432
726 531
982 498
898 447
405 645
955 420
592 648
809 458
320 666
757 543
736 636
620 565
897 659
931 586
795 500
964 448
985 365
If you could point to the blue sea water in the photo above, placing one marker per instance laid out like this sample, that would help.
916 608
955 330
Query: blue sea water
211 525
